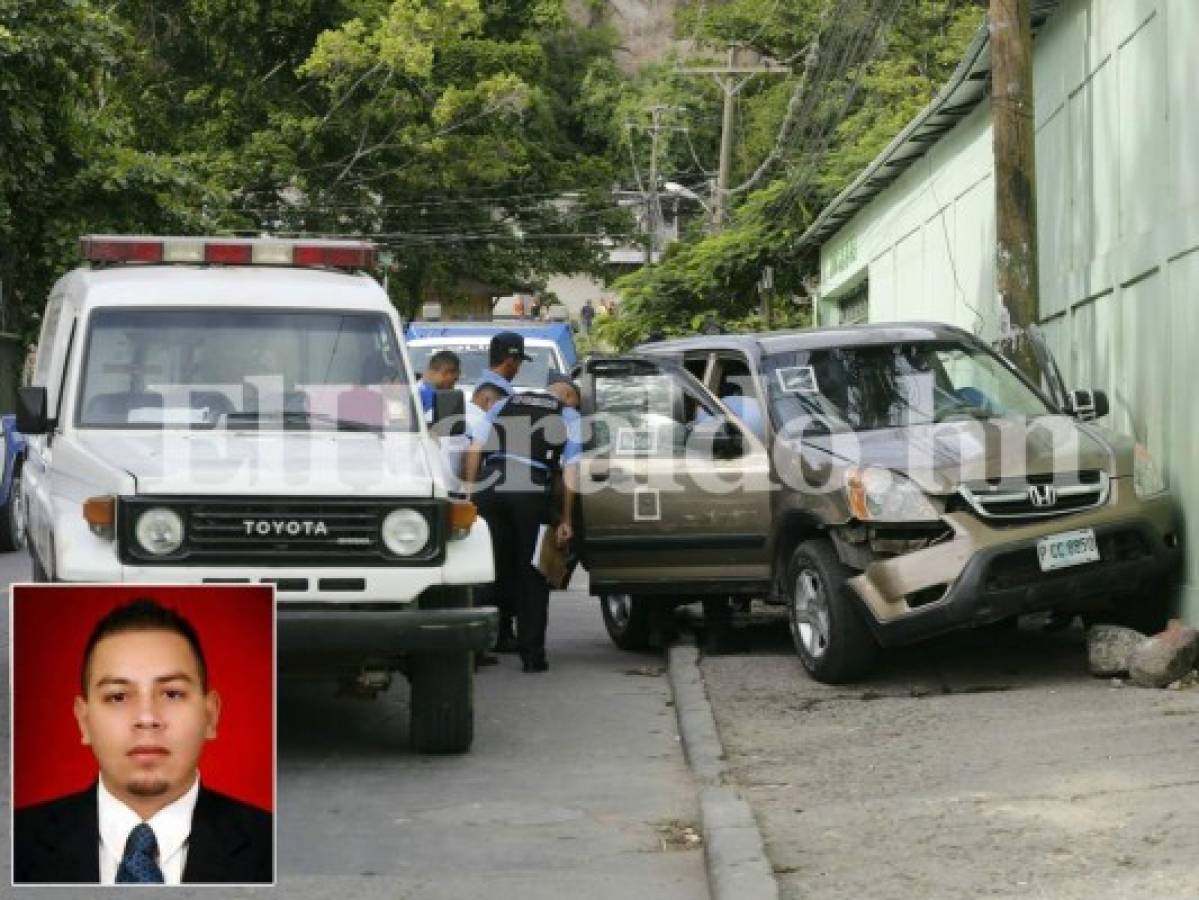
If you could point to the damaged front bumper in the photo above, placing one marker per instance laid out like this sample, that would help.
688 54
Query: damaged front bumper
986 573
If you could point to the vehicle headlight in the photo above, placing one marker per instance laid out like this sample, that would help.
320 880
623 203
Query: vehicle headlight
1147 479
879 495
405 532
159 531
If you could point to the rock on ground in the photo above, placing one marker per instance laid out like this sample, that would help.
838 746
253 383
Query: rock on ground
1110 648
1165 657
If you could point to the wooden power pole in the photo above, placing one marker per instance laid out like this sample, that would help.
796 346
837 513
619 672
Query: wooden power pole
1017 278
731 79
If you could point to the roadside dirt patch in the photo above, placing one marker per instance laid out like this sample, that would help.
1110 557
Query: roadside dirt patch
983 764
675 834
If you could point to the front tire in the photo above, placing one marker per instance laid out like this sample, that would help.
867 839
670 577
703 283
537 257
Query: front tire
12 517
38 573
629 620
443 709
831 638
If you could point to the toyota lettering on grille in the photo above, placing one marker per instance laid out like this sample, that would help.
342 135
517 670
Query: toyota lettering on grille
285 528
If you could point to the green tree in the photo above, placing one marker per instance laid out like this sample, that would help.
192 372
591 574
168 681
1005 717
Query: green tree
860 71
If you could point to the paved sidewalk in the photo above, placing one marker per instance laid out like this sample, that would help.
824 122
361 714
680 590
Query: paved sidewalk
982 764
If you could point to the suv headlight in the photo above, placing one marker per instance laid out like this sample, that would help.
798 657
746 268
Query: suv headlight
879 495
159 531
1147 479
405 532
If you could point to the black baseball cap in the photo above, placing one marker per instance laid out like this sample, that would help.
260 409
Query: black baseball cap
506 345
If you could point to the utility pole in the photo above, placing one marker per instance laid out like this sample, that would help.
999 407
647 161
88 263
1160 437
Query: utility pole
649 194
1017 277
732 79
651 198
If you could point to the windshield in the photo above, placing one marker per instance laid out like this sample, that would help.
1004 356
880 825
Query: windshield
895 386
231 368
474 360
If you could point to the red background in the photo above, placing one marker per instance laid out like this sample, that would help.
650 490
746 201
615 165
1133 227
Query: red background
50 627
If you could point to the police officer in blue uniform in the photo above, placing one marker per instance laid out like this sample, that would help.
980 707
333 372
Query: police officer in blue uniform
505 355
513 461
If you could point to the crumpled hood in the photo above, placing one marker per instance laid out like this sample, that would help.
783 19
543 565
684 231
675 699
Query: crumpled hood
274 463
940 457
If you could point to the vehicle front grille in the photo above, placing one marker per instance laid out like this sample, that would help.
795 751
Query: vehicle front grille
232 531
1037 496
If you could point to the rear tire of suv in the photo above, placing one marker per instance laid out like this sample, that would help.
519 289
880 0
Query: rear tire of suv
629 620
443 712
832 640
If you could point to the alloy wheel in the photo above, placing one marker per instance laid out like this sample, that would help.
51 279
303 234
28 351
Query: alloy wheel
809 613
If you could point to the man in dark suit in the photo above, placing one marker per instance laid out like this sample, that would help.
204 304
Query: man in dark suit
146 710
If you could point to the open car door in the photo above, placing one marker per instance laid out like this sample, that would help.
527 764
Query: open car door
674 490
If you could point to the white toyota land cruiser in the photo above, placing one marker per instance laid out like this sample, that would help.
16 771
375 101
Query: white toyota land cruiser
216 410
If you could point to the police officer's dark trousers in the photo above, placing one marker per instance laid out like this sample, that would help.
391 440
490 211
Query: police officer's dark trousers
516 506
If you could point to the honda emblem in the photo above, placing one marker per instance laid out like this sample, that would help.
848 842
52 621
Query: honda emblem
1042 495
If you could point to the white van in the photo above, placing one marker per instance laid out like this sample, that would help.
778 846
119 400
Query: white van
215 410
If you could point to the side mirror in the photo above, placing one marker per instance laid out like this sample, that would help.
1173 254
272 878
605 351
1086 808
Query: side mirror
727 442
1087 406
31 411
449 413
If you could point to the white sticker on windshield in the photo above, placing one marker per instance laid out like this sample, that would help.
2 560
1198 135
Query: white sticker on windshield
636 442
797 380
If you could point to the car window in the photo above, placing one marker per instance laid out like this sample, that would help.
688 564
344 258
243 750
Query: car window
175 368
41 372
662 415
894 386
473 359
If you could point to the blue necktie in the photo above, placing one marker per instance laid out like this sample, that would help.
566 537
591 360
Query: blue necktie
138 865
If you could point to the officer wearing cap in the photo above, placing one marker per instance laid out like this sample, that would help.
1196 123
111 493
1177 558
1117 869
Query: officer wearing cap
505 355
504 358
513 461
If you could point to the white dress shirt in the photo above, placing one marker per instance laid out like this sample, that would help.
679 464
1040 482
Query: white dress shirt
171 825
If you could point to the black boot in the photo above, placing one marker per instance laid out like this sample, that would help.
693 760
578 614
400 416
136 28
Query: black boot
505 642
534 662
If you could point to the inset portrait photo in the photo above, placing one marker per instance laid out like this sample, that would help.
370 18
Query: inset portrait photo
143 734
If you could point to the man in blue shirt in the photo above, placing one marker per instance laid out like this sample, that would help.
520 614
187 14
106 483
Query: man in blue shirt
441 374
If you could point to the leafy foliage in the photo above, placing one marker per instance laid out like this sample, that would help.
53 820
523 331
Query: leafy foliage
449 130
857 84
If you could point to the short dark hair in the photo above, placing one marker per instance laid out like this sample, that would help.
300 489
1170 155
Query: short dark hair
143 614
489 389
444 359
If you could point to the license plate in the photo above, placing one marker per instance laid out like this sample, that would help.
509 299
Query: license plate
1070 548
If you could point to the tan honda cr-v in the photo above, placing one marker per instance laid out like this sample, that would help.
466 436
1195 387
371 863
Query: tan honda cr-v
886 483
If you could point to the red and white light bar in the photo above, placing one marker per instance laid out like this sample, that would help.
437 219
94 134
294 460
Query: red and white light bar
110 248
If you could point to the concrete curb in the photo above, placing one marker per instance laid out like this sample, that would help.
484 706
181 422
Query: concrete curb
736 859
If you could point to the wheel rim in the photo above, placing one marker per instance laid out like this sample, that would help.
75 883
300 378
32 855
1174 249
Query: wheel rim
620 609
809 614
18 505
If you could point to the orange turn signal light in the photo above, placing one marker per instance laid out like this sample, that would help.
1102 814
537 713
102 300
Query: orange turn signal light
855 493
100 512
462 516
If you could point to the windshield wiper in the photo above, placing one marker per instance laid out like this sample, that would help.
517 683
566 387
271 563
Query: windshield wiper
297 419
960 408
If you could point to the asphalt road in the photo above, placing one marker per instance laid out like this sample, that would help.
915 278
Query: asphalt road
576 786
